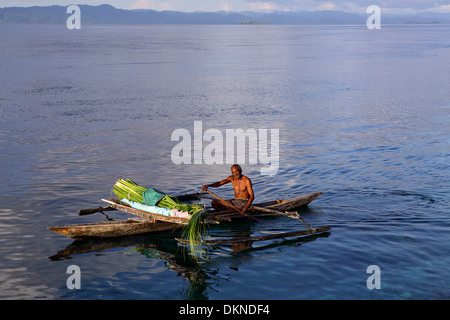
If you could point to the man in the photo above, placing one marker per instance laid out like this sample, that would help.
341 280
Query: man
243 191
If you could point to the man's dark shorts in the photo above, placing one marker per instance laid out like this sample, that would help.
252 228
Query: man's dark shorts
238 203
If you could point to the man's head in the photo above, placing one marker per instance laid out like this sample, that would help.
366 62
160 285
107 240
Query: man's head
236 171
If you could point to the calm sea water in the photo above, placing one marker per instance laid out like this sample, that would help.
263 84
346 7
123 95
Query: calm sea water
363 117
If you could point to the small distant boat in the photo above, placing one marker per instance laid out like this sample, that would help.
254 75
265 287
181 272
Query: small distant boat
148 222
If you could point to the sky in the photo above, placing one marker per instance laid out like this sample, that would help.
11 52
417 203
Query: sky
354 6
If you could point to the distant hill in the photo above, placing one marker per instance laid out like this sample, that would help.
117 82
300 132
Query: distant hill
107 14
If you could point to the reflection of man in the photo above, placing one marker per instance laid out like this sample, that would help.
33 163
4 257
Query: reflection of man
243 191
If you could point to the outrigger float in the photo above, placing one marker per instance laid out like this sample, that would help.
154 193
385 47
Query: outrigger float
151 220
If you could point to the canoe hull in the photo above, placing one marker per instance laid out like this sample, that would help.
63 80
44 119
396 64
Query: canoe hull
114 229
290 204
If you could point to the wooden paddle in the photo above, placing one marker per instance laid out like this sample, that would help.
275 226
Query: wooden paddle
85 212
230 205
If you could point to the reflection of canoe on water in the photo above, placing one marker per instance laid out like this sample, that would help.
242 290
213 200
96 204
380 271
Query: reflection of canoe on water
153 222
262 238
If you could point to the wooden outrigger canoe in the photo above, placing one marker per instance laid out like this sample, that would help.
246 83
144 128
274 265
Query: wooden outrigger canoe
114 229
148 222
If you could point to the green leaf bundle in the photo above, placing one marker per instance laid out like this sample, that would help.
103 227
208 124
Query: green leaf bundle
171 202
194 231
128 189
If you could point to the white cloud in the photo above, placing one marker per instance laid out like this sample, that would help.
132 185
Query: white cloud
263 6
440 9
151 4
226 6
326 6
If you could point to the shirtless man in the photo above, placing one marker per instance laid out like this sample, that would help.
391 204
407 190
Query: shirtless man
243 191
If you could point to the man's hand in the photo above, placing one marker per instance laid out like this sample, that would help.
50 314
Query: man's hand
205 187
242 212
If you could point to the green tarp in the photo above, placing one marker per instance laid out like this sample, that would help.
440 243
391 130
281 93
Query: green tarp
152 196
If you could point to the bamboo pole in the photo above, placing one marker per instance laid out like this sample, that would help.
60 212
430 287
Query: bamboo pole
286 214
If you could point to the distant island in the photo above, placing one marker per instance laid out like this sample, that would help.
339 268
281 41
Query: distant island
255 22
107 14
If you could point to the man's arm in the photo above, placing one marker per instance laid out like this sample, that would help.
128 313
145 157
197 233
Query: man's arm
216 184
